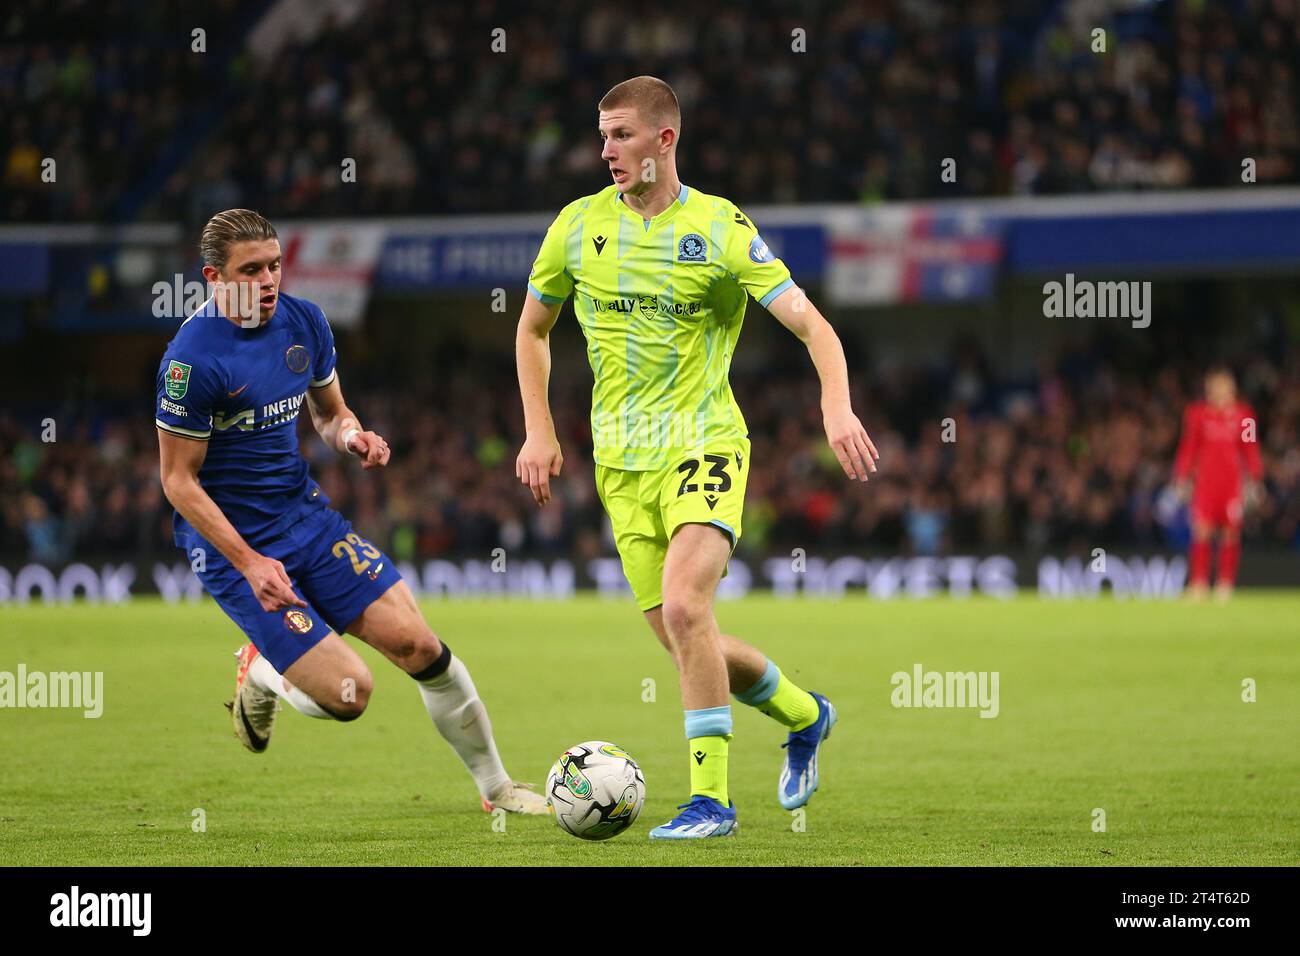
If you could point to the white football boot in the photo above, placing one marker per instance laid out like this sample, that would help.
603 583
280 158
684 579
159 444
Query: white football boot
514 797
253 710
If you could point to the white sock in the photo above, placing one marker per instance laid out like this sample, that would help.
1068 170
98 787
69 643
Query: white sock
266 678
453 703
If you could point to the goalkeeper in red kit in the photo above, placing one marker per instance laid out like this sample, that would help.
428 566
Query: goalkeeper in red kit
1218 457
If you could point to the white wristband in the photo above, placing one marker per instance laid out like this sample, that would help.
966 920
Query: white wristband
347 438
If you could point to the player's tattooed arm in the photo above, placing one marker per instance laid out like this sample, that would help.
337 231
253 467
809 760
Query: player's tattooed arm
848 439
540 459
339 428
180 461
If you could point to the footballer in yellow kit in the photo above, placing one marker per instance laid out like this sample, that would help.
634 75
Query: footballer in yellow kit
660 276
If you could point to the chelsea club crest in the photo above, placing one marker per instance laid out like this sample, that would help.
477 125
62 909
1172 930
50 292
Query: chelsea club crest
297 358
692 248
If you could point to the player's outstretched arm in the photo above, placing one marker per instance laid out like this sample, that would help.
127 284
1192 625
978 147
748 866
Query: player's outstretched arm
339 429
181 459
848 439
540 459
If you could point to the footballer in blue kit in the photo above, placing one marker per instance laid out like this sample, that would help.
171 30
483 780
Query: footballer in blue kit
290 571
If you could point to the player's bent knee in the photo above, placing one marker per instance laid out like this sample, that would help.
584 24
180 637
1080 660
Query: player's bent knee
404 638
347 713
417 649
684 617
352 696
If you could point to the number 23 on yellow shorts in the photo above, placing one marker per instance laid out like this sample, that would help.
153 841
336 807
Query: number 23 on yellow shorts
646 507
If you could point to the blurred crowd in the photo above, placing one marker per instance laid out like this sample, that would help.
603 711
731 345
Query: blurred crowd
1077 457
95 98
820 102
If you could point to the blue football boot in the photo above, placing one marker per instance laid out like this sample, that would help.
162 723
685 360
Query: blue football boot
799 773
702 817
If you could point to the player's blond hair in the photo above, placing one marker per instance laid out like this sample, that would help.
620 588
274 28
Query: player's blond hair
226 228
652 98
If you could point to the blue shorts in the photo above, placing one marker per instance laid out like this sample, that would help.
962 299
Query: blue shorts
335 570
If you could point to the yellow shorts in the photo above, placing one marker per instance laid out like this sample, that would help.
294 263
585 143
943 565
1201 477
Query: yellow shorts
647 507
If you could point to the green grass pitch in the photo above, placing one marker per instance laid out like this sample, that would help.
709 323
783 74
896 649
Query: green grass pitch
1134 708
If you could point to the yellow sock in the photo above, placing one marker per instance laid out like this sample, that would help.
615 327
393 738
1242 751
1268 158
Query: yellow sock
781 699
709 767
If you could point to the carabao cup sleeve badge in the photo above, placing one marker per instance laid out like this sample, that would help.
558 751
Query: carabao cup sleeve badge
178 380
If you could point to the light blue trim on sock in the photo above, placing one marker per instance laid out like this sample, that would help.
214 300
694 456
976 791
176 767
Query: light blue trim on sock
762 691
708 722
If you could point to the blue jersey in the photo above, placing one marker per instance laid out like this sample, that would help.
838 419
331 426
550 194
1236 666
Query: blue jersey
240 390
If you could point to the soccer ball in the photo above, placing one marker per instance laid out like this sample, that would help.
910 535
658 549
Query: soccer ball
595 790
